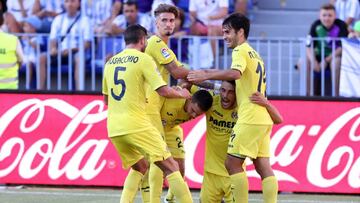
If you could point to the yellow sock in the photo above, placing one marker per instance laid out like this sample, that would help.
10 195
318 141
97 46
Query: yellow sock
131 186
145 188
179 187
156 182
270 189
170 195
240 187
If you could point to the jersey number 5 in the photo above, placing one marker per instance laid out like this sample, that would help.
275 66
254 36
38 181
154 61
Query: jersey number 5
262 78
118 82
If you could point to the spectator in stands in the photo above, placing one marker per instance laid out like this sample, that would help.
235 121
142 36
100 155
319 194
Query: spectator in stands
3 6
65 40
45 11
130 16
101 12
145 6
179 31
326 26
3 9
356 30
11 57
18 10
211 13
348 11
242 6
33 44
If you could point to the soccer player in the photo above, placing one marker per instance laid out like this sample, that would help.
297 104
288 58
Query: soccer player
220 119
167 64
177 111
251 134
129 128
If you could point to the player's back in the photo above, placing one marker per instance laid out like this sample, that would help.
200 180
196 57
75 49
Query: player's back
124 78
173 113
253 79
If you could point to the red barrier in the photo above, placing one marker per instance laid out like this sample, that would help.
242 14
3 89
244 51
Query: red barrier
62 139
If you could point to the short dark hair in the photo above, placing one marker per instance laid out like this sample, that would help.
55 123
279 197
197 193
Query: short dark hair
134 33
328 7
238 21
203 98
1 18
131 3
166 8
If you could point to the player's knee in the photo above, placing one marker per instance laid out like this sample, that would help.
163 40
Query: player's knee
234 165
142 166
168 166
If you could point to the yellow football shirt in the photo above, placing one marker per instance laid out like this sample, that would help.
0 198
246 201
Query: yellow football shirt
162 55
124 78
219 123
253 78
173 113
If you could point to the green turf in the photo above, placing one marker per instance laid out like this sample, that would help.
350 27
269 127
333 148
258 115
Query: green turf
111 195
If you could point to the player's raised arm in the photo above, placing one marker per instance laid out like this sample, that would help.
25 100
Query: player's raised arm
261 100
202 75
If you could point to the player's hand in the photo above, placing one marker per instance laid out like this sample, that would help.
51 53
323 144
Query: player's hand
185 84
185 93
259 99
196 76
177 88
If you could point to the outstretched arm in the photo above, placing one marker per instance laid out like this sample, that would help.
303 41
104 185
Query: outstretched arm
202 75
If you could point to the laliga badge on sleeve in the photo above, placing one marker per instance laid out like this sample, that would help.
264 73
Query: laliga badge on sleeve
165 53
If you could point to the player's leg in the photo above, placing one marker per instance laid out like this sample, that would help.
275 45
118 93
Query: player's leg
155 147
263 168
130 157
145 188
156 176
243 143
238 178
228 196
211 188
175 180
174 140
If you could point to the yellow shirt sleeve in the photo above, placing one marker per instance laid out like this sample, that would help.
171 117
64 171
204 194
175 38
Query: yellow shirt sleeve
160 51
152 75
238 60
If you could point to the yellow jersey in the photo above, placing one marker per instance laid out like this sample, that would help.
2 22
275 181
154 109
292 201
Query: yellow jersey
253 78
162 55
173 113
219 124
124 78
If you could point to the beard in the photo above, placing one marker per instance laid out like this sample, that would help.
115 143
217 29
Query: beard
168 34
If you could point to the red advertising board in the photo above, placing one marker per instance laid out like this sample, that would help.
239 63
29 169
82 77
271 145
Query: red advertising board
62 140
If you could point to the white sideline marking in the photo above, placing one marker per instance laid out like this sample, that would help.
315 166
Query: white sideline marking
17 192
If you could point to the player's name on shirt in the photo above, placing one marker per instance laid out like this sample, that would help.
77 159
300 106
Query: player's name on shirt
254 55
123 59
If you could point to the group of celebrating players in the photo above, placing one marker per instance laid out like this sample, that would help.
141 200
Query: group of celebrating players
144 115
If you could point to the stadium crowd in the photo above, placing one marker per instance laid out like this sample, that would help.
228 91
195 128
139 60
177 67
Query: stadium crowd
53 33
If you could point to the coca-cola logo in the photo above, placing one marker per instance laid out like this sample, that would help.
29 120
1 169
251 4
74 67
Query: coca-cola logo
45 150
63 138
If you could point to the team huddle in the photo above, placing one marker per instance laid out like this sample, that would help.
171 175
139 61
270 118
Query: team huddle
144 115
